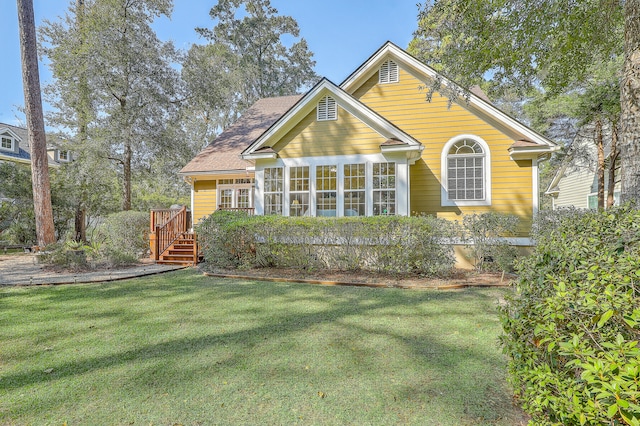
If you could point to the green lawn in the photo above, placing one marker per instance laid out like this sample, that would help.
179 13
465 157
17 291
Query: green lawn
182 348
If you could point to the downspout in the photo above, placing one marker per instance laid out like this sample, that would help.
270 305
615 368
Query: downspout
536 182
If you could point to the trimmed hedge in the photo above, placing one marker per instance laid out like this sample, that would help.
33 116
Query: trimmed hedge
384 244
572 329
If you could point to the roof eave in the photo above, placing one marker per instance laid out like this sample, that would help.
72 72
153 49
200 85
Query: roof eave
259 156
527 153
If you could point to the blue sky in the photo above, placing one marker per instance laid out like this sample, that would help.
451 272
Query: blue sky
342 34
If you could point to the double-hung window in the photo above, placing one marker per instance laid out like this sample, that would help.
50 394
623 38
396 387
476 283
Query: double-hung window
384 189
299 191
354 190
273 190
326 190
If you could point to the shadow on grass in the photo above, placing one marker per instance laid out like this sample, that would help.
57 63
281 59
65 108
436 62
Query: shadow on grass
279 312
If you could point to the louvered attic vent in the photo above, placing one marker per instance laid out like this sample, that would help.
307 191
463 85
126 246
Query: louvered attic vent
327 109
389 72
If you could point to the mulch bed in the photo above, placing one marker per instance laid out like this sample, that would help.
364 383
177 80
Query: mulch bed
459 278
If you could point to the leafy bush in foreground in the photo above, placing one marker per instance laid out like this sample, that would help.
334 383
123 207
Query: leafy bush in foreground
384 244
573 327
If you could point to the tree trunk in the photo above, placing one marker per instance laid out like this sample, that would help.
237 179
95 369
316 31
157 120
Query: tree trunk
45 231
613 163
82 111
80 225
630 105
126 165
600 169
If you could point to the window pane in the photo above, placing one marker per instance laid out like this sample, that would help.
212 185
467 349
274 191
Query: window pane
299 204
299 191
354 185
226 198
244 198
465 171
384 185
273 188
326 204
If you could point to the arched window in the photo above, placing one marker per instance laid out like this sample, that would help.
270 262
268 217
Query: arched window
466 170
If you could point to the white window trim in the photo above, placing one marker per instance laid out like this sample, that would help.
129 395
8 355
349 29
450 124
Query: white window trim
327 109
64 160
444 191
402 180
234 194
12 141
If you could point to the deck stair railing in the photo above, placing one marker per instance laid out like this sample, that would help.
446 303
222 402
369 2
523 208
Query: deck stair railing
167 226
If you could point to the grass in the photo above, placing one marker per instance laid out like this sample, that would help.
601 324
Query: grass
182 348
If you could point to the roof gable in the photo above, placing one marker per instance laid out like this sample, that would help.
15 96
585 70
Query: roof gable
308 103
476 103
5 130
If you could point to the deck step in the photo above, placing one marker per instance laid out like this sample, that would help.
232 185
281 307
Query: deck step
181 252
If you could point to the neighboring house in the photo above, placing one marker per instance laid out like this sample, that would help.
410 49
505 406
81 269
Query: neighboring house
14 147
373 145
575 184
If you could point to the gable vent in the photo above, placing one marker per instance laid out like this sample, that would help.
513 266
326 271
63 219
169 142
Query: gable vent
327 109
389 72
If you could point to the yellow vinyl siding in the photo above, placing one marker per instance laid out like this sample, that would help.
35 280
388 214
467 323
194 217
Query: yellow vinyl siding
345 136
204 199
434 123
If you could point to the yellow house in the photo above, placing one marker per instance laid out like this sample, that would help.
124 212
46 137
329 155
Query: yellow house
373 145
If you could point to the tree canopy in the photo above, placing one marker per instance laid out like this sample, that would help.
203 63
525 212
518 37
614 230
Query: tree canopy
549 44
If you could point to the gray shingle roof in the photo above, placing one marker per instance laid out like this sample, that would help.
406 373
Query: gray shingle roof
224 152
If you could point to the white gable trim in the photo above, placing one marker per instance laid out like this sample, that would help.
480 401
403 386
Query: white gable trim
422 72
13 134
345 101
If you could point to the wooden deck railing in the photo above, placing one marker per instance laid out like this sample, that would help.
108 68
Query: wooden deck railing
161 216
167 226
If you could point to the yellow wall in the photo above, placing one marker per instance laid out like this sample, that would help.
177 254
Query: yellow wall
434 124
345 136
204 199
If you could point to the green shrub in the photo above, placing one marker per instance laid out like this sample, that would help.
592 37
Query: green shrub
124 234
573 326
385 244
489 250
65 255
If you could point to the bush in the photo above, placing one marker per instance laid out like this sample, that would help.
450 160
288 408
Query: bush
124 236
384 244
489 250
573 326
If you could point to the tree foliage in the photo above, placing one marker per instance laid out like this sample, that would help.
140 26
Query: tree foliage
115 88
554 44
572 331
248 45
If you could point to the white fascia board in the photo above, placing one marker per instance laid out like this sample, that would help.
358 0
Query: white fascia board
11 133
259 156
9 159
421 70
344 101
212 173
531 153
